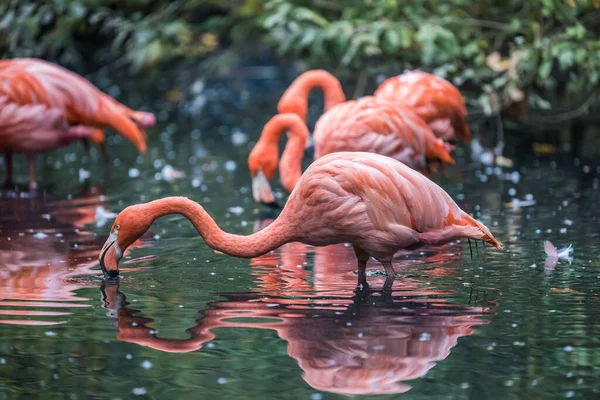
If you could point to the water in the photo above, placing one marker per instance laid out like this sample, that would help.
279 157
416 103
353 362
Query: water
186 321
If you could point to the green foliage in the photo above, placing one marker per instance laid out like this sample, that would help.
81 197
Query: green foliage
142 32
502 48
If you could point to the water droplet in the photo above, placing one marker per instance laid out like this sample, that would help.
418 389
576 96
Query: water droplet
139 391
146 364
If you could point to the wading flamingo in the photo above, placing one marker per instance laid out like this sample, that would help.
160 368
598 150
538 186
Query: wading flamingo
364 125
432 98
44 106
376 203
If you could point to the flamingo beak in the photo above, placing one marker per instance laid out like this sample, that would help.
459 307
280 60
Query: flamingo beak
261 190
110 255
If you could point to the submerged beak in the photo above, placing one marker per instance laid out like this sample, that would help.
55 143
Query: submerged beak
261 190
110 256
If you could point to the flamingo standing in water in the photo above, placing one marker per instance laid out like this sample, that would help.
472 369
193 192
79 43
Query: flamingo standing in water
44 106
432 98
367 124
376 203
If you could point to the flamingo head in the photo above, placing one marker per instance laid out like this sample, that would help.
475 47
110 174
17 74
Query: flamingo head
439 150
129 226
262 162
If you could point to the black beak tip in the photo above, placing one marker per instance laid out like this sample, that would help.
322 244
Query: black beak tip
111 275
273 205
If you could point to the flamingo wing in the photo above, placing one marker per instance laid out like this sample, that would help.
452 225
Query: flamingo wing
382 202
34 128
434 99
377 126
32 81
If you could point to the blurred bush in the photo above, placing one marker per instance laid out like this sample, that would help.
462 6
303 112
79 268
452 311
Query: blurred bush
141 32
505 52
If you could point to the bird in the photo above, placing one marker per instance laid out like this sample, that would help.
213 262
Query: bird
367 124
44 106
295 98
375 203
432 98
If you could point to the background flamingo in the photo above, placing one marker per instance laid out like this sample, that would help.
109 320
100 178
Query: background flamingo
374 202
44 106
432 98
368 124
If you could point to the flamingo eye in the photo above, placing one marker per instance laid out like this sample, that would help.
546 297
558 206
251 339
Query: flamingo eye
117 227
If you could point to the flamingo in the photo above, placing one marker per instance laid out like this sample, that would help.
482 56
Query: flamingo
367 124
376 203
432 98
44 106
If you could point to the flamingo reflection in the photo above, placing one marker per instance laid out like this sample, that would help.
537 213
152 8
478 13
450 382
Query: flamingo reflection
45 256
344 341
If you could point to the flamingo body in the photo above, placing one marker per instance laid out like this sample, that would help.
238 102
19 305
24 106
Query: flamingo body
378 126
377 204
434 99
44 106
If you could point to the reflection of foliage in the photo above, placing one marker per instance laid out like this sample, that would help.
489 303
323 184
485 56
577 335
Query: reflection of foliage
507 51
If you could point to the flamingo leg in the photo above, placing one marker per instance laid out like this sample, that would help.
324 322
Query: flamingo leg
362 257
104 152
389 269
8 182
32 183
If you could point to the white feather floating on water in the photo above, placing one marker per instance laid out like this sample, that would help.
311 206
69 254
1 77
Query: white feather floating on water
564 253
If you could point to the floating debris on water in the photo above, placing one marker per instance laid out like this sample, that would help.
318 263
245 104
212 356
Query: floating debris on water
139 391
50 333
133 172
569 349
238 138
564 253
236 210
84 174
103 215
40 235
169 174
222 381
230 165
146 364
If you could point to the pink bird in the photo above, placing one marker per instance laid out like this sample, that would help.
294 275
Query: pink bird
364 125
432 98
44 106
376 203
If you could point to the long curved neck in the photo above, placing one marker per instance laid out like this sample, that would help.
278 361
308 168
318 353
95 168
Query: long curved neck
295 98
290 167
259 243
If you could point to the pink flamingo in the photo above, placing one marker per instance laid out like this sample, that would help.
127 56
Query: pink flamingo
432 98
376 203
368 124
44 106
